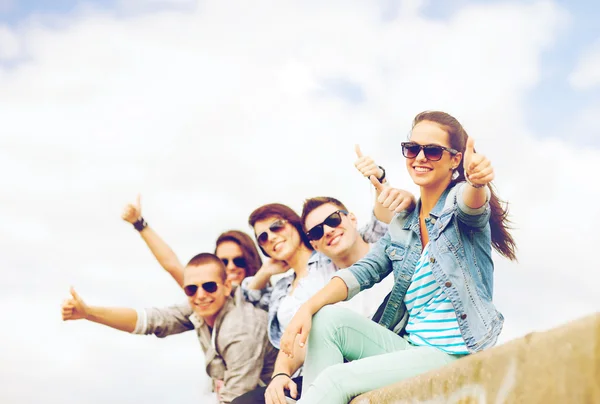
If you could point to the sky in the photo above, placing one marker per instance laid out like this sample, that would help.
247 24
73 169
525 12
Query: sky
210 109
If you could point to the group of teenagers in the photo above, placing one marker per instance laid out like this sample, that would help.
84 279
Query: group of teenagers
352 309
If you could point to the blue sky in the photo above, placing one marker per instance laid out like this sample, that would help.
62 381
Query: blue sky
552 103
551 94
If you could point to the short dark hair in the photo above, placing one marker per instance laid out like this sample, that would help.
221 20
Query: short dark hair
311 204
247 246
208 258
279 211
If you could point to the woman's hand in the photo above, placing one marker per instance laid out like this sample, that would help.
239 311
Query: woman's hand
269 268
478 168
132 211
298 328
366 165
274 267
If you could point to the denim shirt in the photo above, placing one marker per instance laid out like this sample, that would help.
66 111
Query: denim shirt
461 258
270 298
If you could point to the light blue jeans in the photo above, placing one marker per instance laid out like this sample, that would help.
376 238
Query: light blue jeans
376 357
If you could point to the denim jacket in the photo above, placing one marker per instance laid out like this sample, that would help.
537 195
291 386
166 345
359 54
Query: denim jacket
461 257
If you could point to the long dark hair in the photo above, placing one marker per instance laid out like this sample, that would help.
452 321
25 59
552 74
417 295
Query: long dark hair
279 211
502 240
246 244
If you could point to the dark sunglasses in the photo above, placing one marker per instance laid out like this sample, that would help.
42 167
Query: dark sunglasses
432 152
209 287
239 262
332 220
275 227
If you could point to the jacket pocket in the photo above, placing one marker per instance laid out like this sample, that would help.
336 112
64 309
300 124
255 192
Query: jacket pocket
397 256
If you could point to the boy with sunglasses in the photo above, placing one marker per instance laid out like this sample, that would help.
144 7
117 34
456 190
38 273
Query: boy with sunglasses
332 231
231 331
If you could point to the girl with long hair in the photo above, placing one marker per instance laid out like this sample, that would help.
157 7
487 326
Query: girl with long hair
441 257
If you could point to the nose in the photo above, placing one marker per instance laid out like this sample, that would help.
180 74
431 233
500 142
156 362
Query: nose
200 294
327 230
421 155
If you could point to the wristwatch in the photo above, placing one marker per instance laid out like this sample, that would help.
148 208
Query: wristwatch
140 224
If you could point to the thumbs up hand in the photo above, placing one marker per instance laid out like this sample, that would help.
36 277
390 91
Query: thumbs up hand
366 165
393 199
478 168
74 308
133 211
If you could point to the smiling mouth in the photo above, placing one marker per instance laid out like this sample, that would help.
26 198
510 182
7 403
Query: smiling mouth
335 239
277 246
422 169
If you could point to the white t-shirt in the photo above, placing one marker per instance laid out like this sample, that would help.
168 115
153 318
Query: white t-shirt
364 303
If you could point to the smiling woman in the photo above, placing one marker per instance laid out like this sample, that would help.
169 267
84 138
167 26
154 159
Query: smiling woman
441 258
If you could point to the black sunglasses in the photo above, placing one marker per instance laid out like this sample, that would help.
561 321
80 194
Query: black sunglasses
239 262
275 227
432 152
209 287
332 220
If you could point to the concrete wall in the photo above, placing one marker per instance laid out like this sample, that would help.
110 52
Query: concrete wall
557 366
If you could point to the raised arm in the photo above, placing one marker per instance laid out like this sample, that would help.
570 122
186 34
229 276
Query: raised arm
165 256
160 322
388 200
119 318
478 172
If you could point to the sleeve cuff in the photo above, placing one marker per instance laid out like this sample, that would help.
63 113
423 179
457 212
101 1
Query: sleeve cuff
253 295
350 280
141 324
466 209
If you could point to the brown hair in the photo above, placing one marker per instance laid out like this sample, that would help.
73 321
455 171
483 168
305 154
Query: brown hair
311 204
208 258
246 244
279 211
502 240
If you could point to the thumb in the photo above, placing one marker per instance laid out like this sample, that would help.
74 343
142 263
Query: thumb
470 148
378 185
293 389
75 295
357 151
138 201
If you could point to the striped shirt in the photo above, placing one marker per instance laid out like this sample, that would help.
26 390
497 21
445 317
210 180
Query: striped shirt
432 320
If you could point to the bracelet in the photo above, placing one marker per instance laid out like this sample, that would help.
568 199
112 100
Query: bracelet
281 374
476 186
382 175
140 224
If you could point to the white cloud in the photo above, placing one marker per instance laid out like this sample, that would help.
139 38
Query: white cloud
211 113
586 74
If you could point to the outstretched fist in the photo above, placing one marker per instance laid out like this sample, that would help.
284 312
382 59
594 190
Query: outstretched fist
133 211
74 308
478 168
366 165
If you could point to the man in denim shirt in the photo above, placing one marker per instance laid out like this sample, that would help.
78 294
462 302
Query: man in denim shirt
231 331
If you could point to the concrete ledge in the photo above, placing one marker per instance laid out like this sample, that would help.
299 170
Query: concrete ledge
557 366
